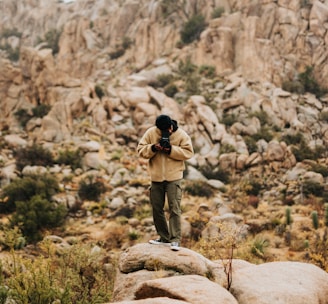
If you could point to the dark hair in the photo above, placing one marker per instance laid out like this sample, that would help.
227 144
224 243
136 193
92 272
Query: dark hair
163 122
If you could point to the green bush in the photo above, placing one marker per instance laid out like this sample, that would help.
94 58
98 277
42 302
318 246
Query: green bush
34 155
77 275
127 42
23 189
117 53
264 133
22 116
305 83
262 116
303 151
189 73
313 188
207 71
41 110
36 215
170 90
199 188
293 139
294 86
217 173
164 79
227 148
186 68
217 12
192 29
323 170
51 38
309 82
72 158
229 119
13 54
90 188
251 144
99 91
8 32
259 246
253 187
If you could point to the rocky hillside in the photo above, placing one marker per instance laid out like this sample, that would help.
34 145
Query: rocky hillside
246 79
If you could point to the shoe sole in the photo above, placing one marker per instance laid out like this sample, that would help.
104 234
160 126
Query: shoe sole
175 248
159 243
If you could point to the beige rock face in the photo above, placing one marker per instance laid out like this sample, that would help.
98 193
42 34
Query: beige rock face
275 282
280 282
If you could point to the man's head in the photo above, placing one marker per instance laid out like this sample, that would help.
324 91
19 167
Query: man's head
163 122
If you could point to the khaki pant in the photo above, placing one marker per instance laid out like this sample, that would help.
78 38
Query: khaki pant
173 191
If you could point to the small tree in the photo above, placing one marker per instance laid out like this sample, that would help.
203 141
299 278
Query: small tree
36 215
192 29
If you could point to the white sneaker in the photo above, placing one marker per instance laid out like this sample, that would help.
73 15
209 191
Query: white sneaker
158 242
175 246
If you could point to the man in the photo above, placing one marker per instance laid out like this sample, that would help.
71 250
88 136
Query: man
166 146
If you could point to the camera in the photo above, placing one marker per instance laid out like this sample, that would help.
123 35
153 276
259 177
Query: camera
165 140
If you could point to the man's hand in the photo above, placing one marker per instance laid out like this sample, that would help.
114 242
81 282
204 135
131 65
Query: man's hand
157 147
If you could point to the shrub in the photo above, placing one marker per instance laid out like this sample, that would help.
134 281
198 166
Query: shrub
217 12
303 151
259 246
127 42
264 133
323 170
215 173
51 38
192 84
70 158
41 110
8 32
186 68
227 148
207 71
37 214
99 91
170 90
309 83
13 53
117 53
251 144
91 188
312 188
23 189
293 139
164 79
294 86
229 119
262 116
34 155
253 187
192 29
22 116
77 275
199 188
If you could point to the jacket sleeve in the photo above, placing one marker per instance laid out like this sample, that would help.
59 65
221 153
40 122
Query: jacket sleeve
184 150
144 146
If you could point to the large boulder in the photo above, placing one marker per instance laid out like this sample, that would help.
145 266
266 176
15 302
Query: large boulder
280 282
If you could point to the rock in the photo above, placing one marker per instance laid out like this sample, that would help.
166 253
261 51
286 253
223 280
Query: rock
280 282
190 288
14 140
150 257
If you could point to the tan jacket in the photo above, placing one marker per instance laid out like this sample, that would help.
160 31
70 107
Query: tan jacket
164 167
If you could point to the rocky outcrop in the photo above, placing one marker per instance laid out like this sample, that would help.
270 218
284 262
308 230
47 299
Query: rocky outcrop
148 271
